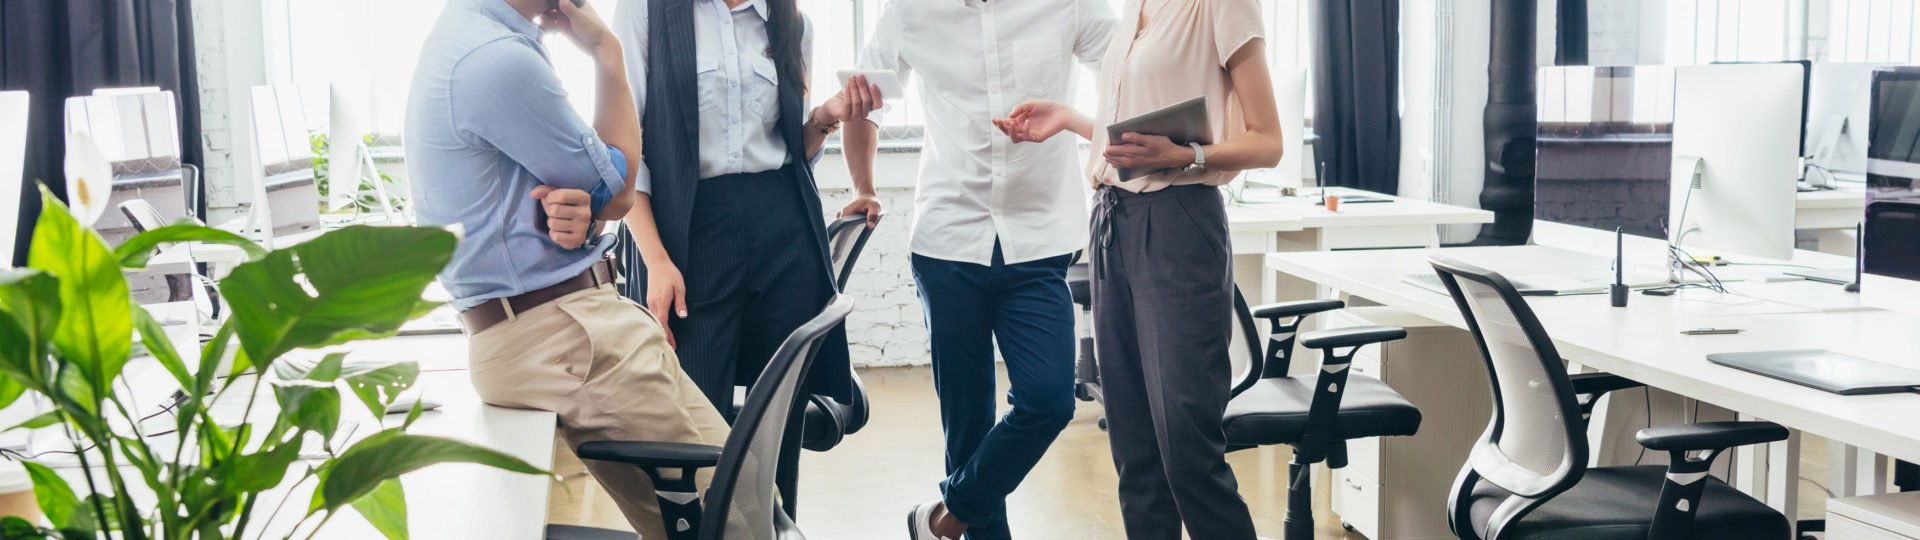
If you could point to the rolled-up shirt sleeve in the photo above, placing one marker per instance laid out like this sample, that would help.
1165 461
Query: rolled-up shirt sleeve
505 95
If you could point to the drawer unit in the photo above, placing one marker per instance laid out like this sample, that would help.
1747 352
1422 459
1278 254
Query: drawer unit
1877 517
1397 487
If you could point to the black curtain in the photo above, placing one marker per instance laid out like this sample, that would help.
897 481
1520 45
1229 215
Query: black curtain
1570 36
1356 84
57 49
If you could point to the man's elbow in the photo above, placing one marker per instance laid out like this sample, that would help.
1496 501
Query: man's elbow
617 207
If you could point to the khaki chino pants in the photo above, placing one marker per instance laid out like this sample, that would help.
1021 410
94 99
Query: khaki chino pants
603 365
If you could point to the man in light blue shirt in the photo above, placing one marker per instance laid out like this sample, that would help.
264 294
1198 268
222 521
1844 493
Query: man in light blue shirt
494 147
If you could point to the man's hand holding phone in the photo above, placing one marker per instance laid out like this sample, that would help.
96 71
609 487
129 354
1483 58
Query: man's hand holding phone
569 215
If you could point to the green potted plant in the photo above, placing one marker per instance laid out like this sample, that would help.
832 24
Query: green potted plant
67 328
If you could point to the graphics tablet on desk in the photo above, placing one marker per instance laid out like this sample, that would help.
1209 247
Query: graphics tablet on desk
1824 370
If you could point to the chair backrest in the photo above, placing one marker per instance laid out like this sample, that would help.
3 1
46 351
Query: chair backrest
142 215
742 493
846 237
1243 347
1536 445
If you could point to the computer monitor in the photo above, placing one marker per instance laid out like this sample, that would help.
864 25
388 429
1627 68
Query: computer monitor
1604 142
1837 111
13 165
1736 160
1890 247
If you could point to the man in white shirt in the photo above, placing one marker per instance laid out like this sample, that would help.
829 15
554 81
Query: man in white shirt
996 225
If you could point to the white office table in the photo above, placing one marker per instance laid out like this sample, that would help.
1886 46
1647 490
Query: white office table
1402 223
1642 342
1833 213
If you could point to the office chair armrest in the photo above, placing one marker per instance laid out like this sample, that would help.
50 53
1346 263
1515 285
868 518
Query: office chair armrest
1598 384
1351 337
652 454
1300 308
1691 450
1709 436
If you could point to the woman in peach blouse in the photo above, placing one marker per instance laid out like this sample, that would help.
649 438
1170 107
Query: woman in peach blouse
1162 267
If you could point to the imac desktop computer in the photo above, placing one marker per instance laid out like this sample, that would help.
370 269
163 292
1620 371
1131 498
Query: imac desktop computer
1836 135
1736 160
1890 244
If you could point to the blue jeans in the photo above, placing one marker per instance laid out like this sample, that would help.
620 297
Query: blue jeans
1028 310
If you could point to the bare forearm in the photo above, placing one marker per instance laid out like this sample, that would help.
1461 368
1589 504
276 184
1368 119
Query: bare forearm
646 233
616 121
860 142
1079 123
815 130
1250 150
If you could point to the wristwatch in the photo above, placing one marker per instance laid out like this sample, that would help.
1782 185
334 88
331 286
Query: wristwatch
1199 164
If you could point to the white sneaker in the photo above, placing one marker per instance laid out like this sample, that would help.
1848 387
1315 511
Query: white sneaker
920 522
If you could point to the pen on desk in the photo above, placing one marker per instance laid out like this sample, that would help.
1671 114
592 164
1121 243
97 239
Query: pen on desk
1711 331
1322 180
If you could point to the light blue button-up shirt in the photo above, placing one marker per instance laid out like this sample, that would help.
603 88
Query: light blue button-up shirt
739 86
487 122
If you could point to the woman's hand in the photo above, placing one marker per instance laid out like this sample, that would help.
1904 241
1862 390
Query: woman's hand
1147 152
1035 121
666 295
856 101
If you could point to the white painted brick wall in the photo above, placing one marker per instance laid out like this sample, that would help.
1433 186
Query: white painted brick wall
888 327
210 40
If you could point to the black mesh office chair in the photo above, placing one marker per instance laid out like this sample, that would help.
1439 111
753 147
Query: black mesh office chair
1316 417
741 503
145 217
1527 477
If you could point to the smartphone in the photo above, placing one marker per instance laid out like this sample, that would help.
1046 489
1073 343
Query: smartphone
555 4
888 80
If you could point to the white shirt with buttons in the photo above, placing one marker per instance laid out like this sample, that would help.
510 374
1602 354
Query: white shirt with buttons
975 60
738 85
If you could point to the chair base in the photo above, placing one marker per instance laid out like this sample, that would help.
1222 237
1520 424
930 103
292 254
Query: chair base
1298 524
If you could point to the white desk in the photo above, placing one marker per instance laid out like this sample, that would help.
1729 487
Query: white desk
1642 342
1833 213
1401 223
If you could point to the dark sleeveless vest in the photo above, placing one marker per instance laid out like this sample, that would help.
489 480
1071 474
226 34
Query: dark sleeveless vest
671 140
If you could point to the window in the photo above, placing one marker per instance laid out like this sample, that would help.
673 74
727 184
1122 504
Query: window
366 50
1706 31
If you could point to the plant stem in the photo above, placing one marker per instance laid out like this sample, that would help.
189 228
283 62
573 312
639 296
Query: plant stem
321 525
283 503
246 513
99 512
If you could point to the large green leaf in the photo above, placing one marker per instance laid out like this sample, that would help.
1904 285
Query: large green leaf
55 496
133 253
30 299
310 407
364 466
386 509
154 337
379 387
261 471
95 332
366 282
37 422
327 370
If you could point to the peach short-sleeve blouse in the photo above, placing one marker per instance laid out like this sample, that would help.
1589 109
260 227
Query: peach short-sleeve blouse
1181 53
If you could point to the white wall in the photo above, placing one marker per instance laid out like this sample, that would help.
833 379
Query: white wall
232 60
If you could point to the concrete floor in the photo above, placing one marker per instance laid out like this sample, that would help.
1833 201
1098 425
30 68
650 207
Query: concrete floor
863 489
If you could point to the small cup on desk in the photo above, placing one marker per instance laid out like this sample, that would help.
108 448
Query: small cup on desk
1333 203
16 494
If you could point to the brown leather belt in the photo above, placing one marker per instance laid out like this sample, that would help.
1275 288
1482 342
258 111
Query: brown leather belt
500 310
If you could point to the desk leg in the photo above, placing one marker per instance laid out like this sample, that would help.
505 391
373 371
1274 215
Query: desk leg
1783 475
1750 468
1843 469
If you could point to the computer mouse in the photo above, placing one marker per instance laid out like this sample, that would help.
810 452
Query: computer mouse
405 404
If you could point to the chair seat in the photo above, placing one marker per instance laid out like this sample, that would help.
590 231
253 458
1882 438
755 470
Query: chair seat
1618 502
577 532
1274 411
1079 281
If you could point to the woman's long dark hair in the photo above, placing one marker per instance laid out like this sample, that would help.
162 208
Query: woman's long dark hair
784 29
